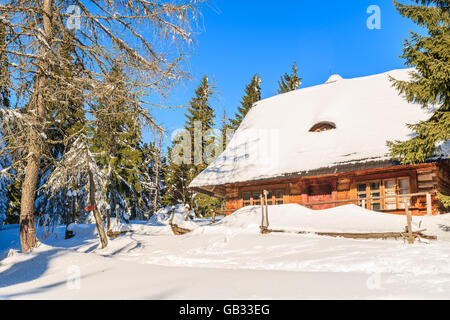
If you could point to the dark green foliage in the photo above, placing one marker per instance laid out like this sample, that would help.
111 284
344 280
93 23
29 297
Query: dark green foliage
200 117
225 131
429 87
117 145
13 209
289 81
251 96
67 113
152 177
178 176
67 121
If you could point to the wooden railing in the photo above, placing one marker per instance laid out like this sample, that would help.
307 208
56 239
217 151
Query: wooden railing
361 201
364 201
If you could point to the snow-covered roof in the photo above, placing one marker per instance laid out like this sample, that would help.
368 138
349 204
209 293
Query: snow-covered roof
334 78
274 138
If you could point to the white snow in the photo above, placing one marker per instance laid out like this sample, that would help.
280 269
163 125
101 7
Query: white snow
274 138
162 217
344 219
334 78
231 260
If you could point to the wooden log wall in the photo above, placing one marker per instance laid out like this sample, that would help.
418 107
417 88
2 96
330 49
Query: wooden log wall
423 178
443 183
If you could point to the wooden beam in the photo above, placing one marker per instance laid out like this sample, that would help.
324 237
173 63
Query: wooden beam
420 194
429 208
380 235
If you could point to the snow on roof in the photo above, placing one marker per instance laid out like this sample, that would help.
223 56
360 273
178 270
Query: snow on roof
274 138
334 78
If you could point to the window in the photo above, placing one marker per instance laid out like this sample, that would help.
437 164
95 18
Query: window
403 188
279 195
323 126
388 187
389 190
375 191
320 189
362 194
246 197
270 198
256 198
253 198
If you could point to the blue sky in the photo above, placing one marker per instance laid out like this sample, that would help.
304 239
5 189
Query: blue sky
237 39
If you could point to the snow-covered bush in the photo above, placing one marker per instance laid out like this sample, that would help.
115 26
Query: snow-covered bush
163 215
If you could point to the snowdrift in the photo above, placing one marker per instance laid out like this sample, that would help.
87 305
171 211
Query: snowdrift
294 217
83 230
161 218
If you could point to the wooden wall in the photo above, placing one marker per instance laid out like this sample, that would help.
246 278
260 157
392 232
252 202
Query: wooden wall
343 186
443 183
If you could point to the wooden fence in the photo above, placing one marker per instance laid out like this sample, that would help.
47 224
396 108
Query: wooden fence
363 201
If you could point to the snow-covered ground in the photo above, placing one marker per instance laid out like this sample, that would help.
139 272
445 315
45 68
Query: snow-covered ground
231 260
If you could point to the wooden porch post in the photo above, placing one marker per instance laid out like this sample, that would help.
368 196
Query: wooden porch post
267 208
409 220
429 209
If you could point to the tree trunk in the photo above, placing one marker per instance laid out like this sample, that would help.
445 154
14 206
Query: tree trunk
27 231
186 209
97 216
108 220
157 164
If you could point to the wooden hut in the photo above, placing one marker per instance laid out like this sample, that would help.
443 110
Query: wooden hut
325 146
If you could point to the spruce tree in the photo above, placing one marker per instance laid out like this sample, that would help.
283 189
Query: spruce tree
429 86
117 144
225 129
177 178
289 81
199 120
153 170
67 121
200 117
252 95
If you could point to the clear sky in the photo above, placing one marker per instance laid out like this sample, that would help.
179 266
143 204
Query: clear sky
237 39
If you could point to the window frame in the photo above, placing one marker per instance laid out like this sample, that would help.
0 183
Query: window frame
382 191
272 198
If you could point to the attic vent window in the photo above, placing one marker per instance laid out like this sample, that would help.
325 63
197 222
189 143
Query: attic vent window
323 126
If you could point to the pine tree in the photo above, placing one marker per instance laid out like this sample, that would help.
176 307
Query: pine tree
153 169
13 205
177 178
251 96
429 86
67 121
225 131
289 82
68 117
199 121
78 167
117 141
